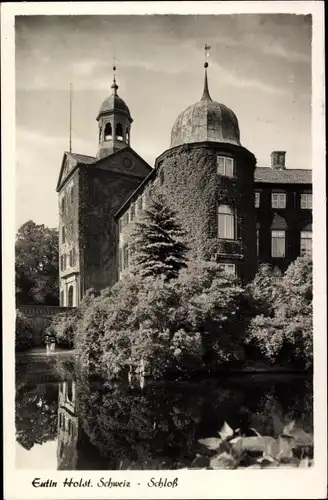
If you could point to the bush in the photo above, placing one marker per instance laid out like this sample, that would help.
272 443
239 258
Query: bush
175 326
285 335
63 329
24 332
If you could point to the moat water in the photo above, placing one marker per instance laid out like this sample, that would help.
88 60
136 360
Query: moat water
64 423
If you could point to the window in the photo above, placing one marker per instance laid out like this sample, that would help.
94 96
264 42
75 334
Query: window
62 298
225 166
278 200
306 243
161 177
63 204
140 203
226 222
63 262
306 201
126 218
63 234
72 257
70 296
132 212
127 135
228 268
278 244
257 199
119 132
258 241
120 259
108 131
125 263
72 194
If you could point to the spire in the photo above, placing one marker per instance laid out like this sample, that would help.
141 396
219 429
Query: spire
114 85
206 95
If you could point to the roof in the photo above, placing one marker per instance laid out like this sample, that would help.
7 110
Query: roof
114 103
286 176
205 120
83 158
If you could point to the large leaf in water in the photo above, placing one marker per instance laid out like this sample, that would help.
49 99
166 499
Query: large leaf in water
223 461
212 443
226 432
278 424
305 462
301 437
260 444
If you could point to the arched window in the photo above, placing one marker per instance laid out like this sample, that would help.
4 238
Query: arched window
108 131
119 132
127 134
70 391
70 296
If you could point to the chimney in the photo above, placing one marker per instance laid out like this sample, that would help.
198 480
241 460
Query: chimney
278 160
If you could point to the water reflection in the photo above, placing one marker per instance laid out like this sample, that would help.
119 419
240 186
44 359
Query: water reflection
99 427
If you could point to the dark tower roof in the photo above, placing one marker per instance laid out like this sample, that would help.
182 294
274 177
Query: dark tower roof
114 104
206 120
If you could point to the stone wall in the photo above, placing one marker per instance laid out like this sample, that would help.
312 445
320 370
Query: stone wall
40 317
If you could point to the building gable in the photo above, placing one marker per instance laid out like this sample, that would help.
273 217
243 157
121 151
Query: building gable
125 161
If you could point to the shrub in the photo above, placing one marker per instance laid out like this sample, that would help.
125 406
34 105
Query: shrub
166 326
24 332
285 336
63 329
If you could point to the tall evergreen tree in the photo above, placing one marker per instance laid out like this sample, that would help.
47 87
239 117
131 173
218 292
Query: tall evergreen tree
156 242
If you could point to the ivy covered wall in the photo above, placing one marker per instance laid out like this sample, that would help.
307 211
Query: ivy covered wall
101 195
194 189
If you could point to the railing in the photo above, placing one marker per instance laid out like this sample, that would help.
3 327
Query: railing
230 247
41 310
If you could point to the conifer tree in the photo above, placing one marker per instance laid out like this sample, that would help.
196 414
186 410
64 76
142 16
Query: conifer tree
156 242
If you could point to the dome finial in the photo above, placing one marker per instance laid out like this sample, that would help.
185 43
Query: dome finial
206 95
114 85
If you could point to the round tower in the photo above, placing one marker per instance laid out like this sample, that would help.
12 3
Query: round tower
114 120
208 177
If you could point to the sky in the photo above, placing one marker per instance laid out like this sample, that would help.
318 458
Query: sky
259 66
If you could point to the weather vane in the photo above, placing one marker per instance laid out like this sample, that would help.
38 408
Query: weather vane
207 48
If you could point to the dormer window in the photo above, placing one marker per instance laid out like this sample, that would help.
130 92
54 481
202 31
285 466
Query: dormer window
119 132
108 131
225 166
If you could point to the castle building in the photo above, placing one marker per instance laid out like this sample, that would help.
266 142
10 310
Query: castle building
231 209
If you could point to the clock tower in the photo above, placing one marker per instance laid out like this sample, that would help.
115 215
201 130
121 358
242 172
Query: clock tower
91 189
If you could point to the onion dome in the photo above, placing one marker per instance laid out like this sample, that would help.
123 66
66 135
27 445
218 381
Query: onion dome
206 120
114 104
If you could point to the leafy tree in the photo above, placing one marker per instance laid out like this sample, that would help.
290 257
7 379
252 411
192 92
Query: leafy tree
286 335
36 414
24 332
36 265
176 326
264 289
156 242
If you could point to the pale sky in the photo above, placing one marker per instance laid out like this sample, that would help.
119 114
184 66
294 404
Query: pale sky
259 66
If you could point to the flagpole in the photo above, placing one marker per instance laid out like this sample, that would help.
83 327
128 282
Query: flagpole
70 117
